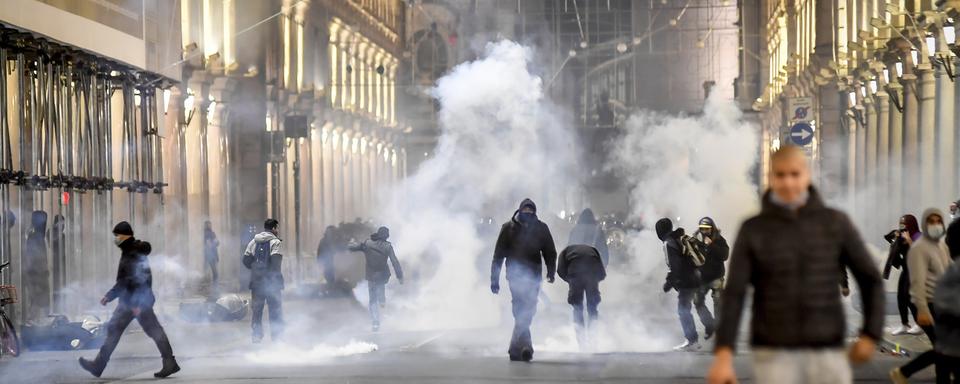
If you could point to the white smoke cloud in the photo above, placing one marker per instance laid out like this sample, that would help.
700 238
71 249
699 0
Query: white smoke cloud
285 354
501 141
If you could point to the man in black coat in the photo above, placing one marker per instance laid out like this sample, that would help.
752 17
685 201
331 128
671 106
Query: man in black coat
684 276
134 289
953 231
525 243
581 266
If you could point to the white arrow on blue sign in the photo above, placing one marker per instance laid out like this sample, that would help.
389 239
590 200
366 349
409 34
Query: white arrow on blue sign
801 134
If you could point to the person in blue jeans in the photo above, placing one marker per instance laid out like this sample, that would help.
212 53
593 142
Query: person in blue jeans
377 251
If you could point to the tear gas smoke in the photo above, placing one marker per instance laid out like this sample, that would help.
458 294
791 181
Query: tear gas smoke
282 354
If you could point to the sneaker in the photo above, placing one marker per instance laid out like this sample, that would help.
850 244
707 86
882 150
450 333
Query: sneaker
897 377
170 367
900 330
95 367
688 346
526 354
915 330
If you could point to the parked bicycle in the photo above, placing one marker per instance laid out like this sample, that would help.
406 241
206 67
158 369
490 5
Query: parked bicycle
9 342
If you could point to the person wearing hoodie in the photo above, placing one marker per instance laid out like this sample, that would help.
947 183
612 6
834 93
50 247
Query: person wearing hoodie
377 252
134 290
581 266
525 244
263 257
716 252
589 232
792 254
927 261
946 299
900 240
684 276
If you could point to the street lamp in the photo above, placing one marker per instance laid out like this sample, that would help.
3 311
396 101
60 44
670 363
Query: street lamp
873 86
899 66
188 111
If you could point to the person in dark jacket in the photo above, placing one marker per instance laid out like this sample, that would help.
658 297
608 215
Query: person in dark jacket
210 255
953 231
946 299
589 232
716 251
525 243
264 258
377 252
37 268
327 249
581 266
134 290
684 276
792 253
900 240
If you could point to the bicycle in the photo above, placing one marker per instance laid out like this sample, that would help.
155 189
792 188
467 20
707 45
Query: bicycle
9 342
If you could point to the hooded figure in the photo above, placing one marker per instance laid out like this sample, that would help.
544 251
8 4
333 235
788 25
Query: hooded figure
525 243
928 259
684 276
582 268
327 249
264 258
377 252
134 289
900 240
946 299
36 268
589 232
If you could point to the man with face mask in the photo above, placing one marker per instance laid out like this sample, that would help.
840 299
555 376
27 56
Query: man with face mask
927 261
791 254
717 251
525 243
684 276
135 292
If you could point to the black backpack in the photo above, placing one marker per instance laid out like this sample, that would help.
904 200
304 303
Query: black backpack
261 257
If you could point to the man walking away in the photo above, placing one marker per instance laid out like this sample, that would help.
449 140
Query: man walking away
377 251
210 254
525 243
684 276
927 261
263 258
135 291
582 268
792 254
589 232
716 250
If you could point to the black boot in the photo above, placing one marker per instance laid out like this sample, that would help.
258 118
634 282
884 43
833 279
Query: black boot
95 366
169 367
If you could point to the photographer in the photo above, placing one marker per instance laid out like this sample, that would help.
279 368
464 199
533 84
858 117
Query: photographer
900 241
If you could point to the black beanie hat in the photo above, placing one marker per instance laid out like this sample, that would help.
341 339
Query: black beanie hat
664 227
382 233
123 228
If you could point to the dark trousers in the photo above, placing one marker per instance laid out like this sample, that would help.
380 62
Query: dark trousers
378 299
925 359
580 288
326 262
121 318
524 293
212 264
273 299
948 366
903 298
693 297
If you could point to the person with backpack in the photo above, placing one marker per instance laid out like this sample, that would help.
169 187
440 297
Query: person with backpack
581 266
525 245
377 252
716 251
134 290
683 261
263 258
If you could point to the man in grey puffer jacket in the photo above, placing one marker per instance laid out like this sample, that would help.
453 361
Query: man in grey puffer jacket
377 251
927 261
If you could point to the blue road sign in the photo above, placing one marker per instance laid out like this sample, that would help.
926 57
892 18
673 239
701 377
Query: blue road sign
801 134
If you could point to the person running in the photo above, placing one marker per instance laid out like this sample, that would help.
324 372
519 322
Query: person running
377 252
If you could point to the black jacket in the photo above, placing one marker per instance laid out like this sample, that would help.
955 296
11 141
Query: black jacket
897 254
793 261
580 262
717 253
525 247
588 232
953 238
683 273
134 286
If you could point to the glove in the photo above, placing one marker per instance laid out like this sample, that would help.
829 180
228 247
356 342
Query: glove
667 287
550 279
495 288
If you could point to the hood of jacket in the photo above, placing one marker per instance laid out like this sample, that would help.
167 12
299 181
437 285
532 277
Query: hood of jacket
923 222
587 217
131 244
664 227
265 236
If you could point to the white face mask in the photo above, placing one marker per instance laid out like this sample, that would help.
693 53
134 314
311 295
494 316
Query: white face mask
117 241
935 231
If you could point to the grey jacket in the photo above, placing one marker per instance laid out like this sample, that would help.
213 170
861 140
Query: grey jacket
377 252
793 261
927 260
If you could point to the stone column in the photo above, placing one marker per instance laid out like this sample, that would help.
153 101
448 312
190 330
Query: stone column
911 141
928 135
946 124
895 161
